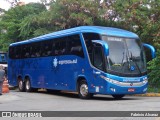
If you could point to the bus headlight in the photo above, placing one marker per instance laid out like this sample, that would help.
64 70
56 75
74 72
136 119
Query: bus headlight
145 80
114 81
109 80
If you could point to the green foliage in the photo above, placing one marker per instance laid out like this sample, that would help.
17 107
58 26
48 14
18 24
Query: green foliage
141 17
10 23
62 14
154 70
31 20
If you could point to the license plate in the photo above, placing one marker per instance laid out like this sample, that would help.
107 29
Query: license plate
131 90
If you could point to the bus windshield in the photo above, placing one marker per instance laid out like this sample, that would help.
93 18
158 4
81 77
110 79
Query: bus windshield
126 56
3 58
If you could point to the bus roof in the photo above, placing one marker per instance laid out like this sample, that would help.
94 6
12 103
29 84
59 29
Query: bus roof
110 31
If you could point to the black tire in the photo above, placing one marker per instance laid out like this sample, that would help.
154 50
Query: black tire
21 85
83 90
118 96
28 86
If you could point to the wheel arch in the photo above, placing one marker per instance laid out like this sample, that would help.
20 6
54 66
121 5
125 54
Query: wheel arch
26 77
20 83
19 77
79 79
82 82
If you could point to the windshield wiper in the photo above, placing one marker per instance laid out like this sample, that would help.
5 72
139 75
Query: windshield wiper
135 63
129 58
127 55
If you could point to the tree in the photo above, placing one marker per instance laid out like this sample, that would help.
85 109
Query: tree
11 21
24 22
141 17
62 14
154 71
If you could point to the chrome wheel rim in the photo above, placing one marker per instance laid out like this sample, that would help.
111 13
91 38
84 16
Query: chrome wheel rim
27 85
20 84
84 90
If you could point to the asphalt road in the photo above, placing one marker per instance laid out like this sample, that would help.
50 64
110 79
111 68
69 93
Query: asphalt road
43 101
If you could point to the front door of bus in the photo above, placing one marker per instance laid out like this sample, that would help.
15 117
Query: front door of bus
99 67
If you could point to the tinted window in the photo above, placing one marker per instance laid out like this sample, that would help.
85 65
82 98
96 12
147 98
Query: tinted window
98 57
88 37
68 45
11 52
59 46
15 52
26 51
74 45
35 49
47 48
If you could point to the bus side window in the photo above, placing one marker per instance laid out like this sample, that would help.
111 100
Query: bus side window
56 47
98 57
62 45
59 46
11 52
74 46
88 37
25 51
17 52
47 48
35 49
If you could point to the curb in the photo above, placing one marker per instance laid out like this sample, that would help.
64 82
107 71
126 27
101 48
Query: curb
149 95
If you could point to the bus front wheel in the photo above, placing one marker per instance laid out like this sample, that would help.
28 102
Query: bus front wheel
118 96
83 90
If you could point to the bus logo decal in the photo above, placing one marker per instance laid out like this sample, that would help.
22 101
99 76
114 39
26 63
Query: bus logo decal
132 68
55 62
62 62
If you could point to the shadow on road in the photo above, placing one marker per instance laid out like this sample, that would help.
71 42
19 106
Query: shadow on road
74 95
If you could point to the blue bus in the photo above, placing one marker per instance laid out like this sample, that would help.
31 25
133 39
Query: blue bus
87 59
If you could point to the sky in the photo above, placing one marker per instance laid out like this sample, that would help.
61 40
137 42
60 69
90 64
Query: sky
5 5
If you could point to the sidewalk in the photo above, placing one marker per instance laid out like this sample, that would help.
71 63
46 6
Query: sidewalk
149 95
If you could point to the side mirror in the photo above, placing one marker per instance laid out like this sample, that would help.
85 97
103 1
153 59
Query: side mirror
104 45
151 48
106 49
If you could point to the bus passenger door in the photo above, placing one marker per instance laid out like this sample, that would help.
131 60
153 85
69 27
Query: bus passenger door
99 67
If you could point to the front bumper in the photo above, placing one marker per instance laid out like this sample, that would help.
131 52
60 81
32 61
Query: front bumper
115 89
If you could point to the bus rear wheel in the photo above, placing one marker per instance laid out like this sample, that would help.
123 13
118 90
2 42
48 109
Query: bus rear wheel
28 85
118 96
21 85
83 90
